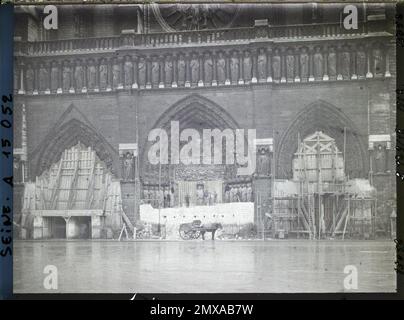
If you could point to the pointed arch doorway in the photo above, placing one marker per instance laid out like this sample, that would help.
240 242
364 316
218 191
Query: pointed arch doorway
194 184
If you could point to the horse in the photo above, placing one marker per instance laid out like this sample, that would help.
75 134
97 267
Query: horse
210 227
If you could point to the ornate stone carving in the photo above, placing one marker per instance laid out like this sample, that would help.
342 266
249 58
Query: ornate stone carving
262 64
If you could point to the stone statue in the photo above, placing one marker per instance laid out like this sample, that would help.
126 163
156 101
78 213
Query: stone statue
128 72
116 74
304 64
103 74
168 70
79 76
345 63
128 167
43 78
377 61
208 69
380 159
142 71
263 162
290 66
221 68
276 65
318 64
194 65
247 66
66 76
54 82
181 69
332 62
155 67
361 66
91 75
262 64
234 68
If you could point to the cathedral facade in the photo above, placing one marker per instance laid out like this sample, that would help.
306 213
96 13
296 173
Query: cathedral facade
89 93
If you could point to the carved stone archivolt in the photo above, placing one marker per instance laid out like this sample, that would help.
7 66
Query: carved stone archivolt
205 68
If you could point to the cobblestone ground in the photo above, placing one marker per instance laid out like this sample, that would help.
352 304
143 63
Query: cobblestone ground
204 266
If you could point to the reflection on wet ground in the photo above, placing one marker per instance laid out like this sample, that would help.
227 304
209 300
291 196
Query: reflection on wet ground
204 266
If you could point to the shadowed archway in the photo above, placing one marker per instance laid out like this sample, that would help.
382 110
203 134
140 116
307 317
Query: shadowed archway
322 116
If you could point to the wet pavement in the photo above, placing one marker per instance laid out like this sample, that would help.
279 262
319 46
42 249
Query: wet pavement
204 266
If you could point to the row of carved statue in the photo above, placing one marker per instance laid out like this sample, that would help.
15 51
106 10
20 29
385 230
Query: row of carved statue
194 69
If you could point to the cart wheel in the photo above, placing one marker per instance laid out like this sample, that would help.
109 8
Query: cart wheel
196 234
185 233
